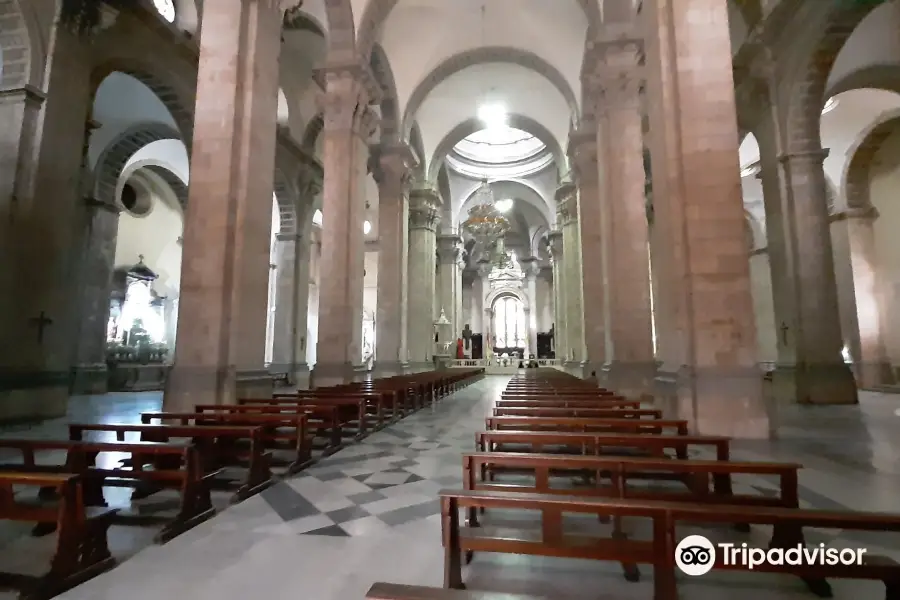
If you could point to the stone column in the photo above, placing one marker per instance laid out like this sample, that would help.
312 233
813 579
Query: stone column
583 155
286 246
423 221
392 172
620 135
870 355
302 266
567 205
821 375
98 258
720 385
41 194
449 250
559 295
224 273
349 123
532 269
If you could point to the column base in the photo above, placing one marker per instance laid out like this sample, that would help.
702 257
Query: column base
33 396
90 379
632 380
327 375
725 401
253 383
822 384
419 367
873 375
389 369
300 376
665 388
187 386
574 367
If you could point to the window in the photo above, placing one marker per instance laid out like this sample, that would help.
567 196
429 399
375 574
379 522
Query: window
166 9
510 329
317 217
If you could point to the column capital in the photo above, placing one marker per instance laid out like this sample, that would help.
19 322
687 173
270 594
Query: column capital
566 204
354 74
862 213
27 94
345 103
392 164
423 209
449 249
817 155
555 238
616 76
531 266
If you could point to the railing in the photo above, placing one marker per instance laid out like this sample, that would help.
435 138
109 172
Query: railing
501 362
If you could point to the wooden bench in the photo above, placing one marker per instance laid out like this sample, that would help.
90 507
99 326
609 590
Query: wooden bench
353 411
646 426
551 540
217 445
396 591
568 403
82 549
175 466
281 431
322 419
594 443
596 413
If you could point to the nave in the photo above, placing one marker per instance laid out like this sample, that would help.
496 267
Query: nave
370 513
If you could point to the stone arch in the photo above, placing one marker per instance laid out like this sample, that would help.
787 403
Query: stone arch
484 55
341 29
384 75
418 146
285 194
378 11
119 151
501 292
862 155
545 209
807 94
180 108
878 77
159 171
179 188
16 52
472 125
312 133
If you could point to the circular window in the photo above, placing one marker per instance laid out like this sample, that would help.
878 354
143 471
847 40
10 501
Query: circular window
136 203
166 9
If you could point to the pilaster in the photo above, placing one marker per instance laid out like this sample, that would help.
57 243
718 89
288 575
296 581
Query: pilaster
449 252
224 276
567 217
393 168
557 257
423 222
349 124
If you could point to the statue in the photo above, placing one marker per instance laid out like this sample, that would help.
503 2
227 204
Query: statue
467 336
460 353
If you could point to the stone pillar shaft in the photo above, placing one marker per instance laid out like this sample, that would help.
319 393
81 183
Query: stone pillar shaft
392 174
285 286
224 273
720 385
449 250
572 279
559 295
621 136
96 272
348 125
423 220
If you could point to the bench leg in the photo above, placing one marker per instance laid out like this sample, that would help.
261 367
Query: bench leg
630 570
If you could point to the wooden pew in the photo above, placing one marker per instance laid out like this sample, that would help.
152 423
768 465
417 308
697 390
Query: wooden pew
353 411
318 417
596 413
396 591
175 466
217 445
563 402
594 443
281 431
82 550
660 550
611 425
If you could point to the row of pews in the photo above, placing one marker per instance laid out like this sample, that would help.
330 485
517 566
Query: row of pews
559 446
240 448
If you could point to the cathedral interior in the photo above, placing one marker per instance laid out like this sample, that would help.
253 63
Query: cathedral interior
686 204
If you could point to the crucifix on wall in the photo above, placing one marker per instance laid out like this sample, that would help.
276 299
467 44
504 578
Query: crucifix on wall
42 322
784 332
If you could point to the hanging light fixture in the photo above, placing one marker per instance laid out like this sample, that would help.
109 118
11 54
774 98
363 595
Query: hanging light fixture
485 223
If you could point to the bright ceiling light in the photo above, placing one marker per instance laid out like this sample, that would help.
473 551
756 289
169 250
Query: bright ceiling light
367 227
492 115
504 205
829 106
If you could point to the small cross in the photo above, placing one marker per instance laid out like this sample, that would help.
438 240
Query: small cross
784 331
42 322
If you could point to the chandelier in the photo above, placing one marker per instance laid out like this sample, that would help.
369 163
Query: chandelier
485 223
